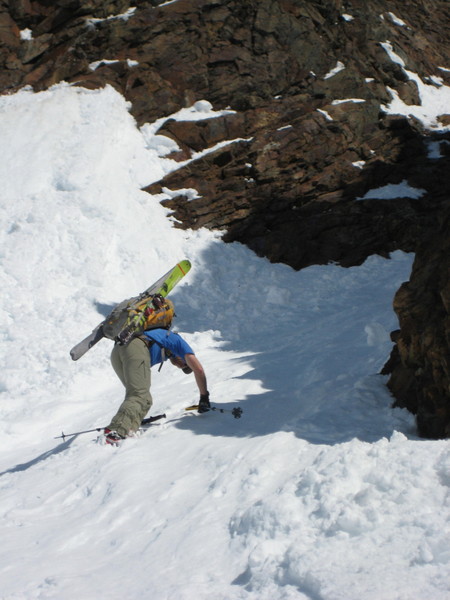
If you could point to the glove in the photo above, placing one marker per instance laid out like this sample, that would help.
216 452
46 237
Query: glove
204 405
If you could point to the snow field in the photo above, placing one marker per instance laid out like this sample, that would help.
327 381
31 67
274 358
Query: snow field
320 491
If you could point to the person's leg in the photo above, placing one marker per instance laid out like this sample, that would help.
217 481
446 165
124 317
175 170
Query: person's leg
132 365
116 362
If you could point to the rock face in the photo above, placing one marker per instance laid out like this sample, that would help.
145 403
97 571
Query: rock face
420 363
305 137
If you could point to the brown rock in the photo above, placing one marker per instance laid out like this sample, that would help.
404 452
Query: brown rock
9 32
420 371
444 120
35 47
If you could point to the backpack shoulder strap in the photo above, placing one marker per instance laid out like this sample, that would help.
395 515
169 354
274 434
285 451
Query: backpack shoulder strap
165 352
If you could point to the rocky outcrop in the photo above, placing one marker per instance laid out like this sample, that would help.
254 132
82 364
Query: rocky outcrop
420 363
306 134
289 192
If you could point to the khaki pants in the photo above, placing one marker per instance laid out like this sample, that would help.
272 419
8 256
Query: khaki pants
132 365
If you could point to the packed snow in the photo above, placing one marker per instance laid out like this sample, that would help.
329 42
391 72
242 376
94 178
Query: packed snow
321 491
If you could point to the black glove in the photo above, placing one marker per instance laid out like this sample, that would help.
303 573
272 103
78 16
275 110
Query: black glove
204 405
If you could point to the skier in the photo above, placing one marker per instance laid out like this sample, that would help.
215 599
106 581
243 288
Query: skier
132 364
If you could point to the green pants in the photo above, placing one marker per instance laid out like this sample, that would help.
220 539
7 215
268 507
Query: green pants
132 365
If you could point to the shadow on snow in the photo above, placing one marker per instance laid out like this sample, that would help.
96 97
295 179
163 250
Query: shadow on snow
312 341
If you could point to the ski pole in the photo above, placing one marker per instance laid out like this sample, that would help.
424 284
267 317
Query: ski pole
149 420
144 422
236 412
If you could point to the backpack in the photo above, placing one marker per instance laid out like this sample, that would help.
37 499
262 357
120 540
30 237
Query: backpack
135 315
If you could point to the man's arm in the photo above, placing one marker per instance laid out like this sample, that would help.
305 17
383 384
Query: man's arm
200 377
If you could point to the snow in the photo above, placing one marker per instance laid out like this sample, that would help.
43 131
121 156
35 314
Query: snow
345 100
122 17
284 128
189 193
436 80
397 21
394 190
202 109
337 69
94 65
327 115
435 98
320 490
435 149
26 34
359 164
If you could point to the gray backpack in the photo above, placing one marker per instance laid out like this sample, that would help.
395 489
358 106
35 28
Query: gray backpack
135 315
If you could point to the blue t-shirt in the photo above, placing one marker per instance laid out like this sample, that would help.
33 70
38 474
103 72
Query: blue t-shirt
168 339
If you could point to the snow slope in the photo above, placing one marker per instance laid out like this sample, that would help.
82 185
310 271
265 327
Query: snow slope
320 491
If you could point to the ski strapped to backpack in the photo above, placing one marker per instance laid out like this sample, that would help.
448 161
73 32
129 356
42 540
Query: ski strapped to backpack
129 318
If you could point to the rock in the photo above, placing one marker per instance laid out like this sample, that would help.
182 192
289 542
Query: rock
9 32
35 48
444 120
302 211
199 135
420 366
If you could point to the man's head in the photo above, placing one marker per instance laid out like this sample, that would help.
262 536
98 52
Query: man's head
181 364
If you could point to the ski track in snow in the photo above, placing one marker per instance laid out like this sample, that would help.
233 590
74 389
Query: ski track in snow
320 491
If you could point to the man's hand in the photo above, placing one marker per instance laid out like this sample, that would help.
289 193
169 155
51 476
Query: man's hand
204 405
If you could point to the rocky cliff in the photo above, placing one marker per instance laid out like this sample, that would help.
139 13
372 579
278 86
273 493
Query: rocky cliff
307 134
420 362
